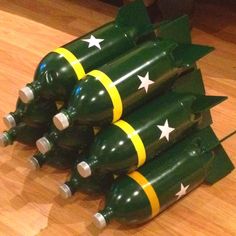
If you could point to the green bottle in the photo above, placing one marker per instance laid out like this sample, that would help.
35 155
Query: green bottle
22 133
14 118
59 71
59 158
143 194
31 122
92 185
76 137
113 90
38 113
129 143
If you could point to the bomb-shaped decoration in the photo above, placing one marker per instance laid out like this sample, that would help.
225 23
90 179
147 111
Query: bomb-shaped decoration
143 194
120 86
130 142
59 71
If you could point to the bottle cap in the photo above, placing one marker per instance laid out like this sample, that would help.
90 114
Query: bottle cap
33 163
9 121
26 94
99 221
43 145
65 191
61 121
84 169
3 140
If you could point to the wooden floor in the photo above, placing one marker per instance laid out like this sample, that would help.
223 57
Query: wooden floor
29 202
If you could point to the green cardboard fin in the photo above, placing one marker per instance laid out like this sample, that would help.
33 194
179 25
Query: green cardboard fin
177 30
190 82
135 15
220 167
203 103
187 54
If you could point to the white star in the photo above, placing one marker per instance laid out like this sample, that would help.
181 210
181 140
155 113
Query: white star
145 82
182 191
165 130
93 42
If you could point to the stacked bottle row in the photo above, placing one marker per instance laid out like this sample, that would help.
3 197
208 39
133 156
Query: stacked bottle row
130 116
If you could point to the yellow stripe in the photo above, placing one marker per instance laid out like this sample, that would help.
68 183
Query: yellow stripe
112 91
136 140
74 62
149 191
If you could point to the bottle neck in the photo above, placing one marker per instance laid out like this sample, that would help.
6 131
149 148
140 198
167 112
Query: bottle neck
107 213
19 112
72 114
8 137
17 115
52 137
41 158
73 184
36 86
65 118
93 164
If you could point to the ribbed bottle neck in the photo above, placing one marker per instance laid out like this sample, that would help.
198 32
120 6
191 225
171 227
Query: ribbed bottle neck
17 115
36 86
71 113
107 213
41 158
52 137
73 184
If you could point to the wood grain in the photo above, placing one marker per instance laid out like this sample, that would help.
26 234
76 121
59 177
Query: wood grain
29 202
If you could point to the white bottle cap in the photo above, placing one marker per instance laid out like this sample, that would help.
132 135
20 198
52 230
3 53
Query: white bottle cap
65 191
61 121
26 94
33 163
9 121
99 221
43 145
3 140
84 169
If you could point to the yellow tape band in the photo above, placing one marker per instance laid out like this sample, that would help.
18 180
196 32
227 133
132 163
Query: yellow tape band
136 140
112 91
149 191
74 62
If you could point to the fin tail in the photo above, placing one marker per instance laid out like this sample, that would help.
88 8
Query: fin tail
190 82
203 103
187 54
220 167
135 15
177 30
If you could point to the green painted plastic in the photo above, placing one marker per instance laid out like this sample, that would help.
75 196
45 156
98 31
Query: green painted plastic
59 158
25 134
189 163
113 150
90 102
95 184
37 113
76 137
55 77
